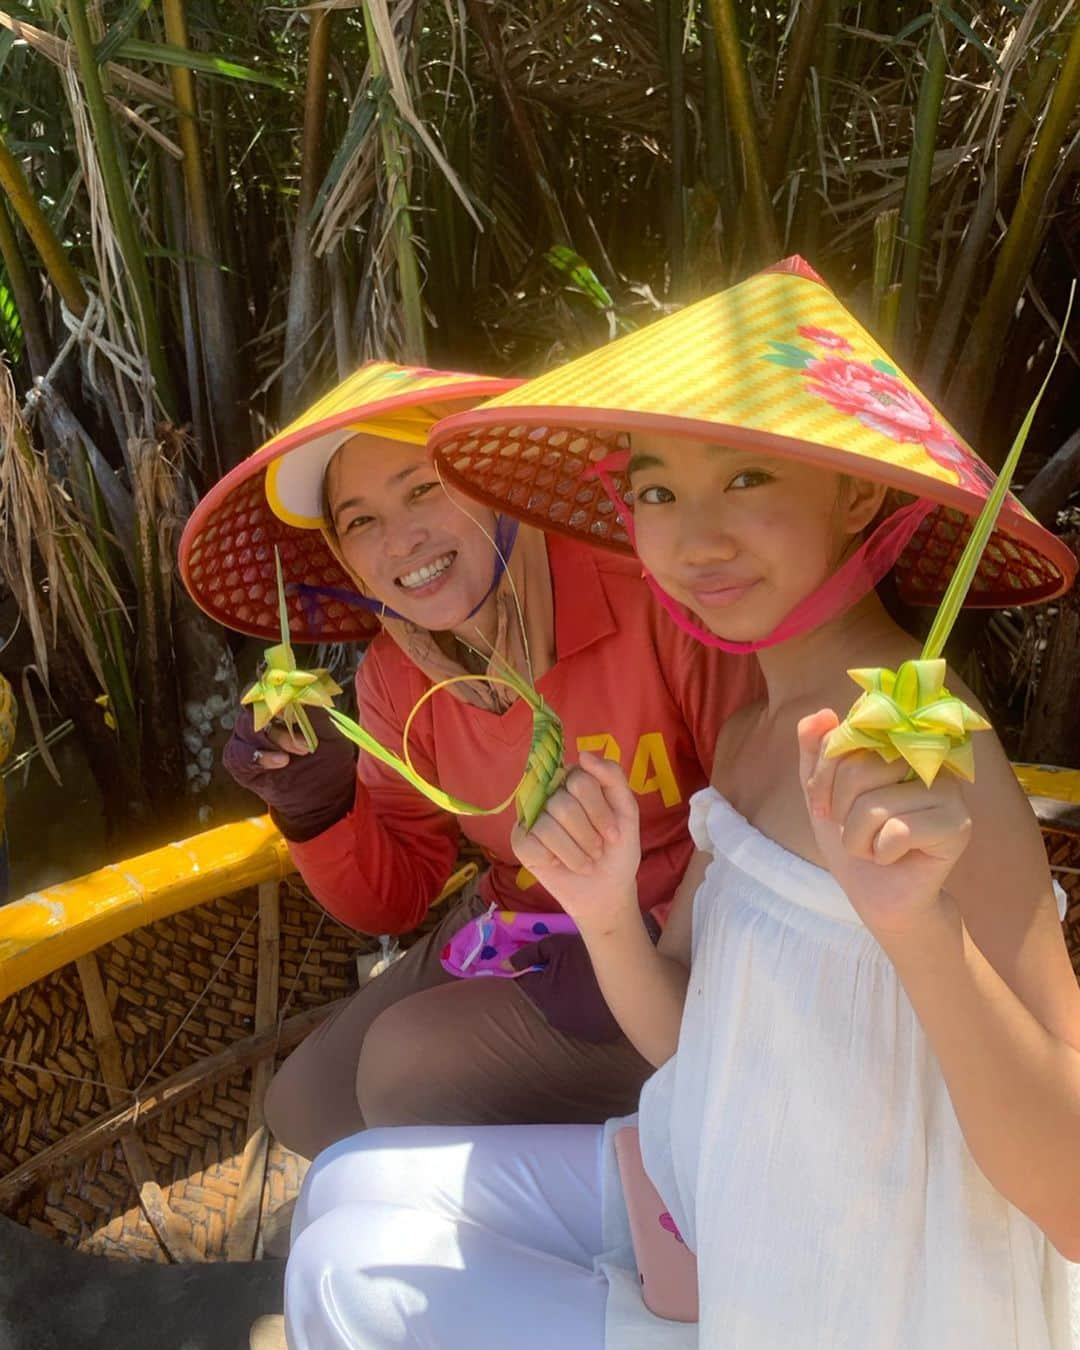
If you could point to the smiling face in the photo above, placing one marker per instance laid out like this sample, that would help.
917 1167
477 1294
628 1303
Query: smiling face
400 532
740 537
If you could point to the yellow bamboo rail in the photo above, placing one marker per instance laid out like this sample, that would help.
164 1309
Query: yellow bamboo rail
48 928
1041 780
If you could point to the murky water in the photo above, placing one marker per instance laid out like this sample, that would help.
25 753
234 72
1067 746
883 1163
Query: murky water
54 832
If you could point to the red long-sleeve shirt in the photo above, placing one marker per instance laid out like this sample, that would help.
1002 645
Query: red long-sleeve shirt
626 682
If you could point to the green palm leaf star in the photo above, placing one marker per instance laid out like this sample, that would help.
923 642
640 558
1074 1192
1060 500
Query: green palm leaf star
908 713
285 692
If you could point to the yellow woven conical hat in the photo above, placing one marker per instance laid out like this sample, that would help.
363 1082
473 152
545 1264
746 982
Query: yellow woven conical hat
775 364
274 499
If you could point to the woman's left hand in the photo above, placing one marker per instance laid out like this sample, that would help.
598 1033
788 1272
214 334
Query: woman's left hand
890 842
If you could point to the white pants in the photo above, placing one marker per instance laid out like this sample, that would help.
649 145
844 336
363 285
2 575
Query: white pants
450 1238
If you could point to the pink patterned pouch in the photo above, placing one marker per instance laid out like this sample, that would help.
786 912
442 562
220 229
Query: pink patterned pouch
485 945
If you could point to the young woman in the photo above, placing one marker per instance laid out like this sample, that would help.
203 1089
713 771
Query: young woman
866 1027
370 542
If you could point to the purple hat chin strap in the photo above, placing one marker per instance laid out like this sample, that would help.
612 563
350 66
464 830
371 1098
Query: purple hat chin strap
847 585
506 528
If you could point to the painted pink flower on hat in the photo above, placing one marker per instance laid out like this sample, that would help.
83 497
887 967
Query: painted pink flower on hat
880 400
873 393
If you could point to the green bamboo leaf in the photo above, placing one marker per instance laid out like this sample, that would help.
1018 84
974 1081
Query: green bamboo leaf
574 266
10 327
360 120
121 29
354 732
913 27
205 63
960 584
969 35
283 608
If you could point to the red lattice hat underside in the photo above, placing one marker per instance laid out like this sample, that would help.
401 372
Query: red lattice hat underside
229 569
544 475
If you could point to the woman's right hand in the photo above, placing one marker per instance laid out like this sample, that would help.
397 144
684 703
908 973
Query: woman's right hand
585 848
306 791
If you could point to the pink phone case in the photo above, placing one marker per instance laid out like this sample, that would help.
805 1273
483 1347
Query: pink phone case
667 1268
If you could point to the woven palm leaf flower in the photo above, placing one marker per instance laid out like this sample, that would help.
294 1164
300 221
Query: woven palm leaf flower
544 769
284 691
909 713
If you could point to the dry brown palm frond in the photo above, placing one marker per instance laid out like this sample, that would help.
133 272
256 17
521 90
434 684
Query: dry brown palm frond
59 52
47 555
116 338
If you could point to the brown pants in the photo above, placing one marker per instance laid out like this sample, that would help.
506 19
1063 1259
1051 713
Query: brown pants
417 1046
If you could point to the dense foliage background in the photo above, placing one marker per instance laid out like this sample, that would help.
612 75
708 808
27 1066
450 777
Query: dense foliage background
211 210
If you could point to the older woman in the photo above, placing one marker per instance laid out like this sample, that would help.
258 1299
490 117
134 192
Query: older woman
368 535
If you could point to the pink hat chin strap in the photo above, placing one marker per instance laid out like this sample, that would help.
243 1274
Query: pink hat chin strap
848 584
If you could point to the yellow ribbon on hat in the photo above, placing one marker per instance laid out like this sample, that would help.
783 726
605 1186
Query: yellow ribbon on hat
410 425
908 713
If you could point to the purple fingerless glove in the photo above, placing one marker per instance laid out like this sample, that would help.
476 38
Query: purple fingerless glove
312 792
567 991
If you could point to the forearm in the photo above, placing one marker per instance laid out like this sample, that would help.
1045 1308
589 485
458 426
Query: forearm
644 989
1015 1087
371 876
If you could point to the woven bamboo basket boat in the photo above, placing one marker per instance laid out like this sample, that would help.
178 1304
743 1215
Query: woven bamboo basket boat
142 1009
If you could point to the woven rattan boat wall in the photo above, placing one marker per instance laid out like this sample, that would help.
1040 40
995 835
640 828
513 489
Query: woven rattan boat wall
143 1011
132 1077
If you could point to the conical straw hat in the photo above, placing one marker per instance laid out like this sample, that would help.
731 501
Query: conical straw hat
775 364
274 499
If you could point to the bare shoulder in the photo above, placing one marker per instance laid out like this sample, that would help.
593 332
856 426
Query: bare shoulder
733 736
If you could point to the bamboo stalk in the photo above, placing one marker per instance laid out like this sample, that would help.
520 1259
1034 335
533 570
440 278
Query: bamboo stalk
302 318
986 338
120 212
26 300
885 294
36 224
479 17
803 43
215 325
339 312
669 19
160 745
396 168
808 224
917 185
740 110
715 132
176 231
963 269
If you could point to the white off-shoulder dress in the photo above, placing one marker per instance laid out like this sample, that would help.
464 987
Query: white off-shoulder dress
806 1145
